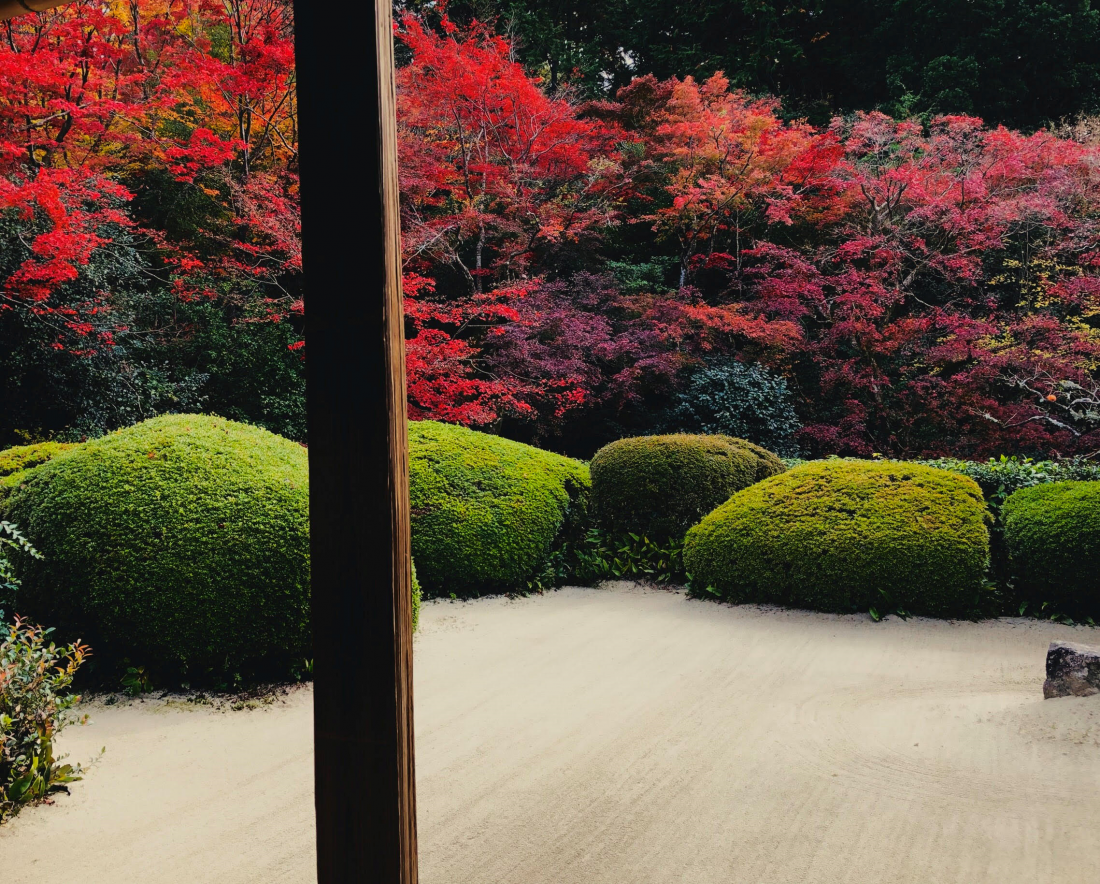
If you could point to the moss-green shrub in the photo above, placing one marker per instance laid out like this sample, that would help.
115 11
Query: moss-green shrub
15 462
23 457
485 510
181 543
659 486
417 596
835 535
1052 533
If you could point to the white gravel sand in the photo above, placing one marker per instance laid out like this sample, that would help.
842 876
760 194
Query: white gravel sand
628 736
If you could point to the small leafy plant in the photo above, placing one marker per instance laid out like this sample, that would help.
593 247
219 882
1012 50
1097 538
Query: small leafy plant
136 681
34 681
11 541
1048 611
601 556
889 606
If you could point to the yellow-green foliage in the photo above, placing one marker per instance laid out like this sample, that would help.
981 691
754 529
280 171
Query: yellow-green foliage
14 462
833 535
659 486
1052 533
416 594
181 543
486 510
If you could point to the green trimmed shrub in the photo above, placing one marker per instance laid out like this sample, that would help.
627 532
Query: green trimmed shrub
181 543
417 595
1001 477
1052 533
15 462
486 511
659 486
23 457
845 536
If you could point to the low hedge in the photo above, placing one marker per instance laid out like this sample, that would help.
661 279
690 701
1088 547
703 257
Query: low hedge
659 486
487 511
848 536
181 543
999 478
1052 534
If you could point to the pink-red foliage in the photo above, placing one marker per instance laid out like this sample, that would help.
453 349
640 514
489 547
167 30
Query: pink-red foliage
896 273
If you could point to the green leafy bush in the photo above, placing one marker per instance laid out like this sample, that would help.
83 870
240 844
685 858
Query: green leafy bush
486 511
659 486
600 556
744 401
843 536
15 462
1000 477
1052 533
34 680
240 362
181 543
23 457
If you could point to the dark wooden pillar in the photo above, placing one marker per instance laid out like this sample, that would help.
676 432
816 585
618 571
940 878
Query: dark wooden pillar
358 445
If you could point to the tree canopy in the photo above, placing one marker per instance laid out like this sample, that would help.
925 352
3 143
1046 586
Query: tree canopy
582 244
1022 63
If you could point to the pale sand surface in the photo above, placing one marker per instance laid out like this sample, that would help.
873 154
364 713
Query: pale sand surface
629 736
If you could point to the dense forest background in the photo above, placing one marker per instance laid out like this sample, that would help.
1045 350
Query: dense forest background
1021 63
846 227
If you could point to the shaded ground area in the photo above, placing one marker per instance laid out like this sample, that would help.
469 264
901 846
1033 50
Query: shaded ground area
629 736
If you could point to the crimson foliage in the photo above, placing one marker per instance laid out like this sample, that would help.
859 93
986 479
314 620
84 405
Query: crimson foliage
902 277
923 288
147 163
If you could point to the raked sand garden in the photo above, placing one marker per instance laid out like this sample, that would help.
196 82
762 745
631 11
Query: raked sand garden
626 735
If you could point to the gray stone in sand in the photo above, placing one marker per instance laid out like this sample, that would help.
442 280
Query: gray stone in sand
1072 671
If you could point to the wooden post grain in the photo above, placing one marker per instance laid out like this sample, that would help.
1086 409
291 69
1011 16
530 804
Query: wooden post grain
358 446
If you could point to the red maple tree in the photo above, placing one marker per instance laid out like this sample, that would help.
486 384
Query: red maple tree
569 265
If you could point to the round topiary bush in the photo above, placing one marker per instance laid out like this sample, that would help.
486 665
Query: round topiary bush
1052 533
181 543
848 536
485 510
660 486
